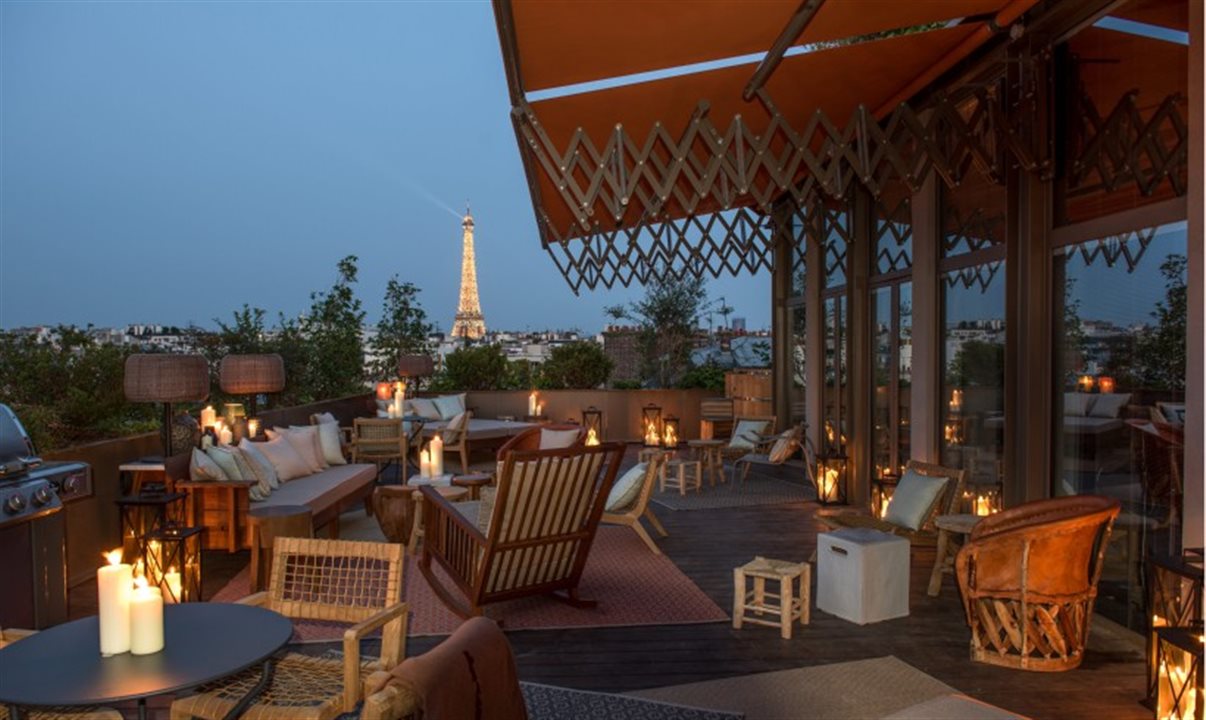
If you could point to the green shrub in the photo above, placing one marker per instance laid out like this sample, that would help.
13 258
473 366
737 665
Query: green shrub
576 366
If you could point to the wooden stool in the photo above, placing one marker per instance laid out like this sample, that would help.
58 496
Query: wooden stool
451 494
677 473
474 481
266 524
708 452
791 605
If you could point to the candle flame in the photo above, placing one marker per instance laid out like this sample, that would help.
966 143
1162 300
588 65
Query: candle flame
592 438
670 437
140 582
113 557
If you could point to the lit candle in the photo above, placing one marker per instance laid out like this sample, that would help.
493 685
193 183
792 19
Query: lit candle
829 484
983 508
113 583
253 428
1105 384
224 433
592 438
1086 383
146 618
956 403
424 464
532 404
174 587
208 416
437 456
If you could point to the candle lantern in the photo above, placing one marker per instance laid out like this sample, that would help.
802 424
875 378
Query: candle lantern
982 499
882 488
670 435
1105 384
385 391
173 563
651 424
1179 692
232 413
1174 599
592 421
1085 383
831 478
144 515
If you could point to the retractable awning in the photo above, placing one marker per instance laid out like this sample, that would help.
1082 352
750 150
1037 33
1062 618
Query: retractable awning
623 174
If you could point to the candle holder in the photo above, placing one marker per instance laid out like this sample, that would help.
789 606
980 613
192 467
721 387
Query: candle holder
1105 384
173 563
982 499
142 516
670 435
385 391
831 478
882 488
592 421
1174 599
651 425
1179 674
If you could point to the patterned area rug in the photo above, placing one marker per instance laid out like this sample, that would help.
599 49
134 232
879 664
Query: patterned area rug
546 702
757 490
631 584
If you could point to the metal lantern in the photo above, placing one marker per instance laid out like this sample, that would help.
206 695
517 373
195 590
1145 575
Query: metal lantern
882 488
982 499
651 425
592 420
832 469
1179 692
670 432
144 515
1174 599
173 563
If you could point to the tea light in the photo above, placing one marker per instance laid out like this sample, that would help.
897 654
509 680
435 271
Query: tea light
146 618
113 582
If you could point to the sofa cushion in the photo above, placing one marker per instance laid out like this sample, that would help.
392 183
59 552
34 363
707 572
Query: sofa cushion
324 490
261 470
1109 405
202 467
305 441
285 459
1077 403
224 456
329 441
449 406
424 407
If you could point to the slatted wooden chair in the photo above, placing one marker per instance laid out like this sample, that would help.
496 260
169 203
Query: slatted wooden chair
537 532
751 434
456 438
11 635
1028 576
639 508
947 503
343 581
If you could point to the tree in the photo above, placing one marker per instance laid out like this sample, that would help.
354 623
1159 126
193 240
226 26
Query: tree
576 366
978 363
667 317
333 341
480 367
402 330
1161 350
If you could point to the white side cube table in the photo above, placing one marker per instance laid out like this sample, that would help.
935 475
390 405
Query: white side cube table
862 575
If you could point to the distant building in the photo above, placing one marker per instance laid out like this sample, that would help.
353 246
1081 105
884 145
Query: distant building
738 325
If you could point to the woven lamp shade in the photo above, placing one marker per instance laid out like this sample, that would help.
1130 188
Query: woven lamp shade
166 378
415 366
252 374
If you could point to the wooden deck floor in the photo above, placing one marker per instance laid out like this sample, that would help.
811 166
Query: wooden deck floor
708 544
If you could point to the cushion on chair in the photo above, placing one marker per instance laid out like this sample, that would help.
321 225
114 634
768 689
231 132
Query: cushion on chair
743 434
203 467
449 406
626 489
783 448
424 408
1109 405
557 439
286 460
914 498
329 442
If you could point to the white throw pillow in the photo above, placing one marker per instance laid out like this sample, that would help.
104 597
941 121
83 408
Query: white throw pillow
326 418
329 442
424 408
285 459
305 441
914 499
260 467
1076 403
627 488
557 439
784 446
449 406
1109 405
743 434
225 458
201 467
449 434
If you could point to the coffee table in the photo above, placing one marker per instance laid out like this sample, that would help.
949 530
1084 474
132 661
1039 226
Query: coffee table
948 525
203 642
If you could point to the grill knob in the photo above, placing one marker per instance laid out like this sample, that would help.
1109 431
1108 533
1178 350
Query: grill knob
14 504
71 483
42 496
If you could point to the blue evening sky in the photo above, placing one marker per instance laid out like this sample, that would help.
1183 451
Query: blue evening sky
168 162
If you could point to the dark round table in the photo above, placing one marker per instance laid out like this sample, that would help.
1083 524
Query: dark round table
203 642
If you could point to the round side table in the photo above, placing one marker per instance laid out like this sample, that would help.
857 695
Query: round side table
474 482
944 558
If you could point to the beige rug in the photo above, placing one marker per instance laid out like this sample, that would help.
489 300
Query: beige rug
869 689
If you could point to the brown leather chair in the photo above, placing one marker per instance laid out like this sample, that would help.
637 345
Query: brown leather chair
529 439
1029 579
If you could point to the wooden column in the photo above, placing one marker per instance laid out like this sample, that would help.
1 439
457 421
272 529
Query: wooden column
859 388
814 334
1195 366
781 350
927 333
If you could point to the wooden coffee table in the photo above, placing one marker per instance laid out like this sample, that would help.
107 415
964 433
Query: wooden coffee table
944 559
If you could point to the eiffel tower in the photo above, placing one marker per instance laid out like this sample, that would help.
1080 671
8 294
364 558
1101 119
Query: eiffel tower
469 323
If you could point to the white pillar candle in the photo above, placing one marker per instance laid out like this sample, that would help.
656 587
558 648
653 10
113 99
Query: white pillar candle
146 619
437 456
113 587
171 579
424 464
208 416
225 436
532 404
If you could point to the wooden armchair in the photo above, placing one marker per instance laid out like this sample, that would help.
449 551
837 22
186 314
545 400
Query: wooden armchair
343 581
794 439
639 508
1029 576
380 441
927 534
545 514
456 439
529 439
751 434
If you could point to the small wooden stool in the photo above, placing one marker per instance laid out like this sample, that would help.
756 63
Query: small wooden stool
451 494
474 481
708 452
677 473
265 525
791 605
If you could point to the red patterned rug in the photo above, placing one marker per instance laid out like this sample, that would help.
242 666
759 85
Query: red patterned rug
631 584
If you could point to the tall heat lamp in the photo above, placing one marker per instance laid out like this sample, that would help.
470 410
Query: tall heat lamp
167 378
252 375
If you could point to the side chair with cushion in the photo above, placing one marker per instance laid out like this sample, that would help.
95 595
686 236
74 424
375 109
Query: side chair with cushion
471 674
780 450
455 437
911 513
378 440
537 438
751 434
342 581
533 533
628 501
1028 576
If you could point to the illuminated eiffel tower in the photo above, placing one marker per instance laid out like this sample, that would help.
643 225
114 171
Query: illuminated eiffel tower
469 323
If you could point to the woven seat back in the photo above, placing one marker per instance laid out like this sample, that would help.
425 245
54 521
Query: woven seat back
334 580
